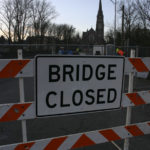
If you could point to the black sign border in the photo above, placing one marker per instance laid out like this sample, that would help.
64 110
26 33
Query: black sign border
76 56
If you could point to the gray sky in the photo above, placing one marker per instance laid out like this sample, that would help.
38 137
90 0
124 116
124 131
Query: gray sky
82 13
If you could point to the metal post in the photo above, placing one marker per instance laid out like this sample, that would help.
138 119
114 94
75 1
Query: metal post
129 110
137 51
116 145
22 99
115 19
115 23
123 24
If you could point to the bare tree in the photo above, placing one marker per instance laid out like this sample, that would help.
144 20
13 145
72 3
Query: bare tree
42 14
130 16
109 37
68 32
62 31
15 16
6 18
22 17
143 9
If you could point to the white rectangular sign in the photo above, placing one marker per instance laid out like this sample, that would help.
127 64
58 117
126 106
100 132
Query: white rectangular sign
77 84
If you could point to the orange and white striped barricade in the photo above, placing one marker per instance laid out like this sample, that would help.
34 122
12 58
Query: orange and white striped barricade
84 139
16 68
24 111
10 68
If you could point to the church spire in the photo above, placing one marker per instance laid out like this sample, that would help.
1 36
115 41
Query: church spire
100 7
100 25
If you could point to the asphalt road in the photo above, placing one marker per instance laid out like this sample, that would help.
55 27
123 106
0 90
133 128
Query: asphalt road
58 126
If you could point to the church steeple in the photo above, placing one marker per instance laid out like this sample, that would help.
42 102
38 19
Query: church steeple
96 36
100 7
100 25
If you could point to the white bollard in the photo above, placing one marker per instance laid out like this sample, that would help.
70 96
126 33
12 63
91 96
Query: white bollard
22 100
129 110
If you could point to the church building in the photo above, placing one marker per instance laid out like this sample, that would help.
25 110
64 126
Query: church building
96 36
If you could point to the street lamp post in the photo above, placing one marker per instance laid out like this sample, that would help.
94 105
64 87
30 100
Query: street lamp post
115 23
115 19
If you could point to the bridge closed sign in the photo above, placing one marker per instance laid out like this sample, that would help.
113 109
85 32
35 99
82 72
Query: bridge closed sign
77 84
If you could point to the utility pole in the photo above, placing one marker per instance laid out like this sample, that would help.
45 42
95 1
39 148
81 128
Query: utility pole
115 23
123 36
115 19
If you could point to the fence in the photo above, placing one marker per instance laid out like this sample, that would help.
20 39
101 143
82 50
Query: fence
26 110
30 50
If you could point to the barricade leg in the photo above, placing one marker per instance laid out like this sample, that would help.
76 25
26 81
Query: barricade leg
129 109
22 100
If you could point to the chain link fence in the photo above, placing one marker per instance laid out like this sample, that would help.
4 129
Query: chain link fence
139 51
30 50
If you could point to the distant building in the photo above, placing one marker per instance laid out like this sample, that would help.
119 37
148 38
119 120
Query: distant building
89 36
96 36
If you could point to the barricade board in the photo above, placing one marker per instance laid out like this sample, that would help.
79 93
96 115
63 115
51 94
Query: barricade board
77 84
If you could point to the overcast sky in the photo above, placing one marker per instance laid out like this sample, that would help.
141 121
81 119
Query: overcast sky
82 13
